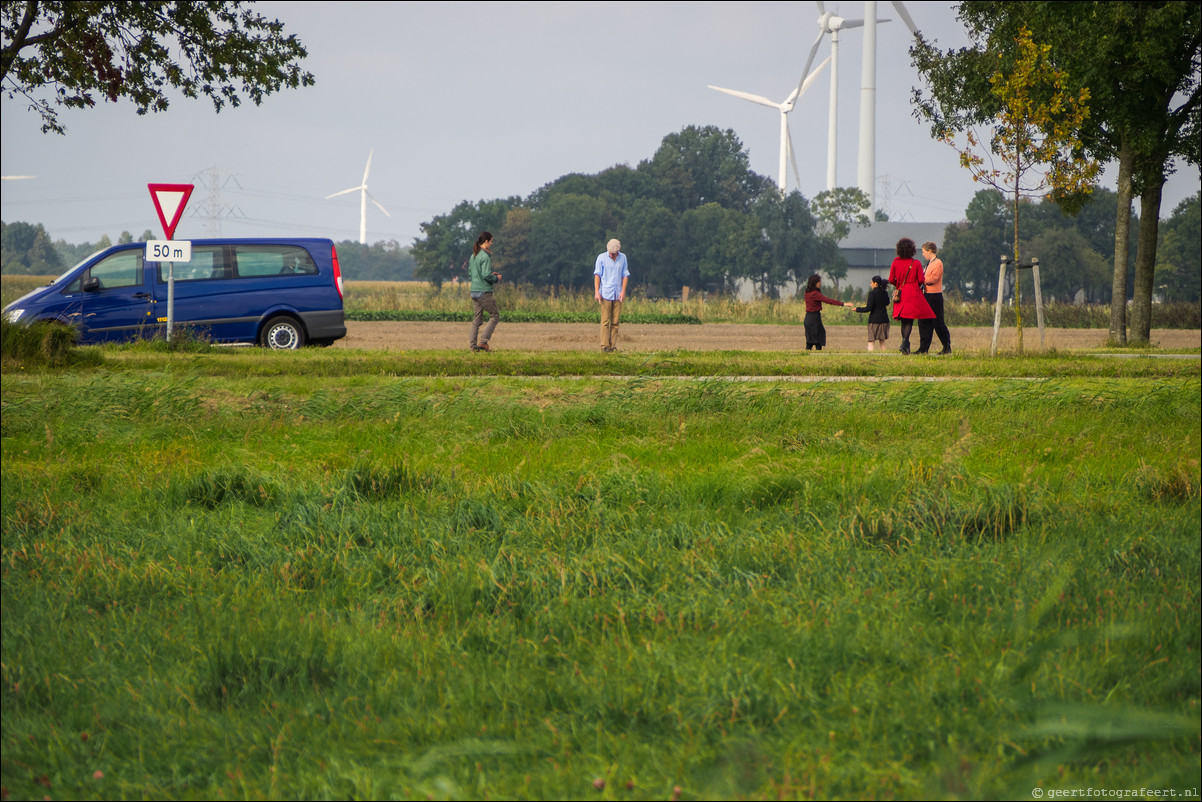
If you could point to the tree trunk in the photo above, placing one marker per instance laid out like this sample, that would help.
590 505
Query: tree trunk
1145 263
1018 295
1122 238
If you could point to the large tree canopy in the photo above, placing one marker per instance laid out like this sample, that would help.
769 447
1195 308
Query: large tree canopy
76 52
1140 62
694 215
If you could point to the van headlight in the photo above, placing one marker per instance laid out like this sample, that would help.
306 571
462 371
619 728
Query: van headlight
13 315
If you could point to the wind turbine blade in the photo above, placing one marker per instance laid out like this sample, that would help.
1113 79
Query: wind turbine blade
792 156
377 203
821 7
367 169
905 15
810 78
344 192
810 58
763 101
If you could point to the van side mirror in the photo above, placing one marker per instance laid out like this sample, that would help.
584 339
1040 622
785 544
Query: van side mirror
91 284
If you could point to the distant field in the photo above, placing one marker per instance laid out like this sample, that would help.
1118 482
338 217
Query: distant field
414 300
367 301
352 575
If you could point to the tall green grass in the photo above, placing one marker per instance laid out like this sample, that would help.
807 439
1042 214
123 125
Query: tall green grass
302 583
367 365
42 345
413 300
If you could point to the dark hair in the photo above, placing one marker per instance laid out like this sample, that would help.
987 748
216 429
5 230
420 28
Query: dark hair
877 280
812 284
905 248
480 240
932 247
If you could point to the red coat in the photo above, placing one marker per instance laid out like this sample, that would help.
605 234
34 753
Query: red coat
907 274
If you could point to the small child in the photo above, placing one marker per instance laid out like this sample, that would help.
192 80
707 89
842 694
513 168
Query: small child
878 314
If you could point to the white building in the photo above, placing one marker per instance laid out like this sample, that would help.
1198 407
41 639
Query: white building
870 250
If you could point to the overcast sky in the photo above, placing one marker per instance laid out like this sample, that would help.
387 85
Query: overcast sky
471 101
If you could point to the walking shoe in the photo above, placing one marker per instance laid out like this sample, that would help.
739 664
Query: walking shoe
483 347
947 349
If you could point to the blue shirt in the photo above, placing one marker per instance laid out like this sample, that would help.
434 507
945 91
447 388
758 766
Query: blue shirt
611 271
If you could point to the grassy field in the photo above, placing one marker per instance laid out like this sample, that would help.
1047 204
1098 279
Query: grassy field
239 574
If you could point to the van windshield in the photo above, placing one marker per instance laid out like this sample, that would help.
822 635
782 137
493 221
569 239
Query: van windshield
76 266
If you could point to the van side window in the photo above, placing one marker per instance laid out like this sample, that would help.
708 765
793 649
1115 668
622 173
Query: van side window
122 269
208 262
273 260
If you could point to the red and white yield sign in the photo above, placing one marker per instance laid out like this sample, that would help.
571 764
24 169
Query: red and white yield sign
169 202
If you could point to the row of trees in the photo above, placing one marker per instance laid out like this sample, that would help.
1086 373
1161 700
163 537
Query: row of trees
26 249
381 261
1076 251
694 214
1073 248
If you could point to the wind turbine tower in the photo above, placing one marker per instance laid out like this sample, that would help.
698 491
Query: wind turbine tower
830 24
866 164
363 196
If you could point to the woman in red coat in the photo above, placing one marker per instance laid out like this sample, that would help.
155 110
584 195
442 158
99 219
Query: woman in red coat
906 274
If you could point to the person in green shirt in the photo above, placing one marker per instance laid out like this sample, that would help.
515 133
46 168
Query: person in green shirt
479 268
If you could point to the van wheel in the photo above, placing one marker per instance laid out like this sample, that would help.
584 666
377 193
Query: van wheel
282 333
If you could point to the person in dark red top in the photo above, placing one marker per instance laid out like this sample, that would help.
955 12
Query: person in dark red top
815 331
906 274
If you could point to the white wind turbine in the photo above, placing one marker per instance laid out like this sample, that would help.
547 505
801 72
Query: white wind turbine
786 142
866 163
363 196
830 24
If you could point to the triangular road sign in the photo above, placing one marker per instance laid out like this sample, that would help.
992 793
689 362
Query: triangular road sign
169 202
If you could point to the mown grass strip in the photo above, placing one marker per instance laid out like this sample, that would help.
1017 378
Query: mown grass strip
351 363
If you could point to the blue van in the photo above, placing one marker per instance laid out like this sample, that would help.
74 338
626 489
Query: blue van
279 293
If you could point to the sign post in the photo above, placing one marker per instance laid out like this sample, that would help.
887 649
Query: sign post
169 202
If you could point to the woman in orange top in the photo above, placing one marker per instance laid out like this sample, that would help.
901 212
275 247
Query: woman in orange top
934 283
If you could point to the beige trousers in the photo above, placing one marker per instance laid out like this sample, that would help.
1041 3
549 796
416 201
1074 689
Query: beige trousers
610 312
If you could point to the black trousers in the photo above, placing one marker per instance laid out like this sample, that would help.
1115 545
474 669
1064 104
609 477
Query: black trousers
935 325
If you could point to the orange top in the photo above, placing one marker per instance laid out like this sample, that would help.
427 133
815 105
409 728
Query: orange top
934 275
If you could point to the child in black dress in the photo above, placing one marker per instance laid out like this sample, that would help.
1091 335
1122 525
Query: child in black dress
877 307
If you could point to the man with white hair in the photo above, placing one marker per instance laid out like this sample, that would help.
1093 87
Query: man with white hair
610 275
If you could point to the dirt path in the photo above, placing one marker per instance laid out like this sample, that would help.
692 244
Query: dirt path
707 337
